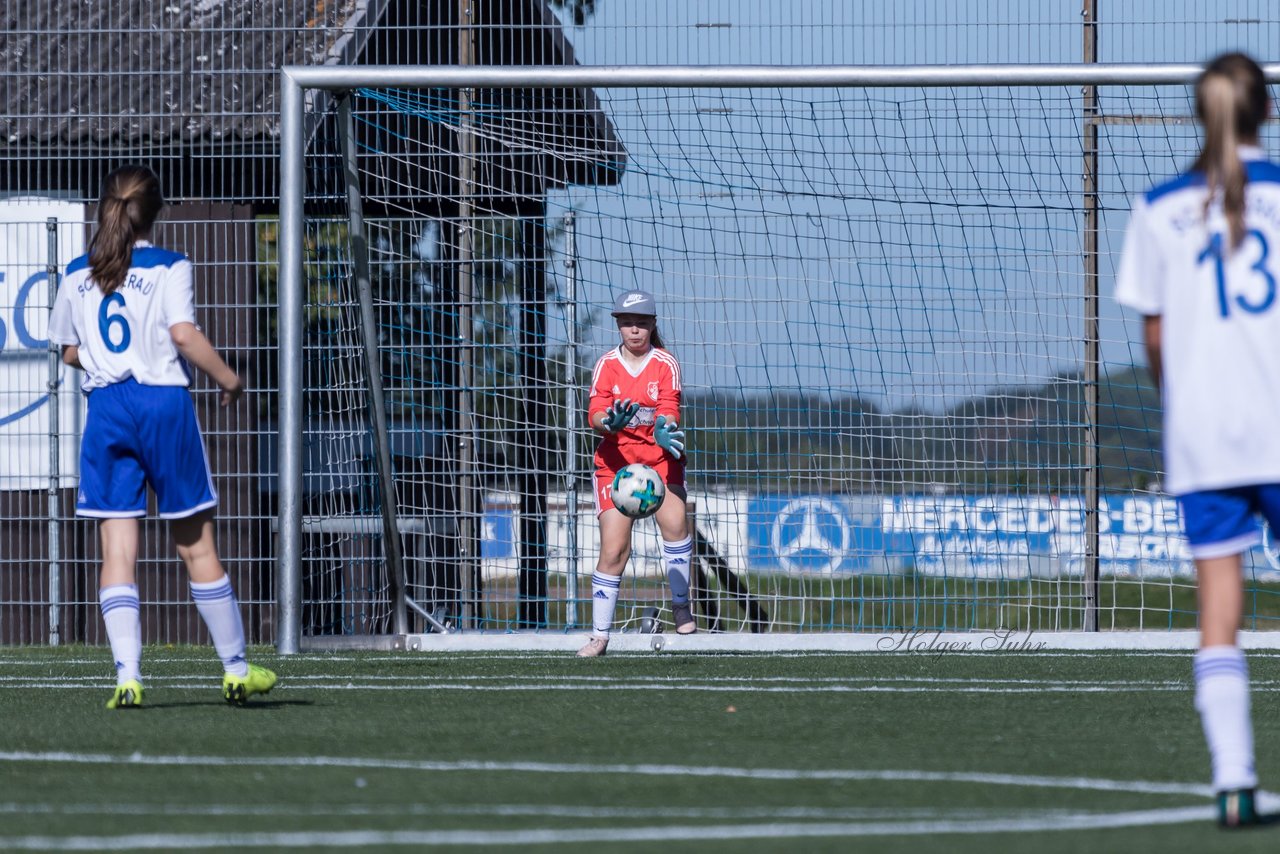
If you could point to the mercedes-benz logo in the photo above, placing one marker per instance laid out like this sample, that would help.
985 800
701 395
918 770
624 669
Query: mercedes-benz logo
811 535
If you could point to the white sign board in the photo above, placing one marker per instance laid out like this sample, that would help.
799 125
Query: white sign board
26 403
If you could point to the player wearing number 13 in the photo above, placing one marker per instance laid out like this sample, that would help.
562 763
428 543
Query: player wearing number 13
1200 263
125 315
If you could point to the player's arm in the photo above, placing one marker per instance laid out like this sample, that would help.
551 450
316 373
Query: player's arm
196 349
1140 281
178 305
71 356
597 421
1151 332
606 415
62 329
666 429
669 392
599 401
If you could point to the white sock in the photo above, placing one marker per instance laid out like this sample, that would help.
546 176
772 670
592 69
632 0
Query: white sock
1222 698
678 555
119 604
221 613
604 599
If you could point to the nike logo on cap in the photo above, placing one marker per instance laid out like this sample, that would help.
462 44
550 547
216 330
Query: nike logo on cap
631 300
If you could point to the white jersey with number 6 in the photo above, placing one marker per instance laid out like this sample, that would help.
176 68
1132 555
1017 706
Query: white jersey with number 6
126 334
1220 325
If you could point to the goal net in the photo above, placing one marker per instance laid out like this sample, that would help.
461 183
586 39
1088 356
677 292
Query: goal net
881 302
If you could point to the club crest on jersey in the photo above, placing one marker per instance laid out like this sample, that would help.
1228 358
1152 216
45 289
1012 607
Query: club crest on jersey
653 390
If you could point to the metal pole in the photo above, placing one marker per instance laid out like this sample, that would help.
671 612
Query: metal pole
1092 474
571 417
373 370
535 456
468 505
289 313
335 77
55 450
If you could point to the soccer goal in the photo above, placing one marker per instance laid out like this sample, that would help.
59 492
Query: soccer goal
911 404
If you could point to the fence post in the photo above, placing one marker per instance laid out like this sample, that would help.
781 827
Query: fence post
55 448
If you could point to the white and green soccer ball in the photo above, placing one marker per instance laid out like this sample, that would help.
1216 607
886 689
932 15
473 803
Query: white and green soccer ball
638 491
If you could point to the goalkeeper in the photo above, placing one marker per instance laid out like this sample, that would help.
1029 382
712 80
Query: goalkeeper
635 407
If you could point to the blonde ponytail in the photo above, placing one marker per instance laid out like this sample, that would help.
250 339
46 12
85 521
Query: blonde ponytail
1231 102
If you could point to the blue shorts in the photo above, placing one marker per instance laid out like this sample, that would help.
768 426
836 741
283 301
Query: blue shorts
136 435
1224 522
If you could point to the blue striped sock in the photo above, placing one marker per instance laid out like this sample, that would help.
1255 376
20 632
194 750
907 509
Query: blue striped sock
604 599
678 554
217 605
1222 698
121 615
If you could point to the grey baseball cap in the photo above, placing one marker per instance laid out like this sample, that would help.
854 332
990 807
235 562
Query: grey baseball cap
635 302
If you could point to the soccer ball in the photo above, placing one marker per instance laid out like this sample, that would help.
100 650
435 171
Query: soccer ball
638 491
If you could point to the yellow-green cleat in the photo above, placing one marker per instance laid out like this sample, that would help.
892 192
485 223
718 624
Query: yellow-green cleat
238 689
126 696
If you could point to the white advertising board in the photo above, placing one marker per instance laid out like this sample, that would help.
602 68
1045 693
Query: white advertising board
26 402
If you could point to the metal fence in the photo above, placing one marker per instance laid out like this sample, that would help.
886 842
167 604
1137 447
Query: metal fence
209 120
48 557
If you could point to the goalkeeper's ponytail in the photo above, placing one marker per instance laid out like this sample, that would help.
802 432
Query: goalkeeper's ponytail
655 338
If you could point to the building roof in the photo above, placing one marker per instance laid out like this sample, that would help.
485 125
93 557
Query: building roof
192 86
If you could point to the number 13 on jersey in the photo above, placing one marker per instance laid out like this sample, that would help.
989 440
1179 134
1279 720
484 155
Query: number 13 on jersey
1213 252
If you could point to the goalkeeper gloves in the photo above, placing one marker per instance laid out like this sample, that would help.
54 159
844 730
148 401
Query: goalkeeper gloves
619 414
669 437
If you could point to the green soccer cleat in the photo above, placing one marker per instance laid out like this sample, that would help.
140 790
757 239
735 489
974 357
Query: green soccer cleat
126 696
1236 808
238 689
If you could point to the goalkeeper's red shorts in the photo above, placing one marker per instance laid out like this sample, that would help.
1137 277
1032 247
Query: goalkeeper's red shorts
669 469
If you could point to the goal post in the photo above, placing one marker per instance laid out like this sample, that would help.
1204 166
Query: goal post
908 408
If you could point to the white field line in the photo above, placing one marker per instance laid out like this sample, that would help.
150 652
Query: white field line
508 810
607 835
713 684
8 659
427 685
934 824
557 680
708 771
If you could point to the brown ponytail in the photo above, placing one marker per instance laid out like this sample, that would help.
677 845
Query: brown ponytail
130 202
655 338
1231 103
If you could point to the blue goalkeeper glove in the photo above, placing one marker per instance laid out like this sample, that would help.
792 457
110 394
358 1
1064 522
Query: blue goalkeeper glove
669 437
619 414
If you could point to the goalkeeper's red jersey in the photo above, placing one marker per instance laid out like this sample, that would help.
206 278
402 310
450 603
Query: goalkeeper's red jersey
655 386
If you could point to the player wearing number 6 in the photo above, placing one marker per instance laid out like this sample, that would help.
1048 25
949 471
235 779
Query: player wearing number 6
125 314
1199 263
635 408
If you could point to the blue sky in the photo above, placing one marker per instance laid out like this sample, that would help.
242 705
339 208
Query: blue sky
913 247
